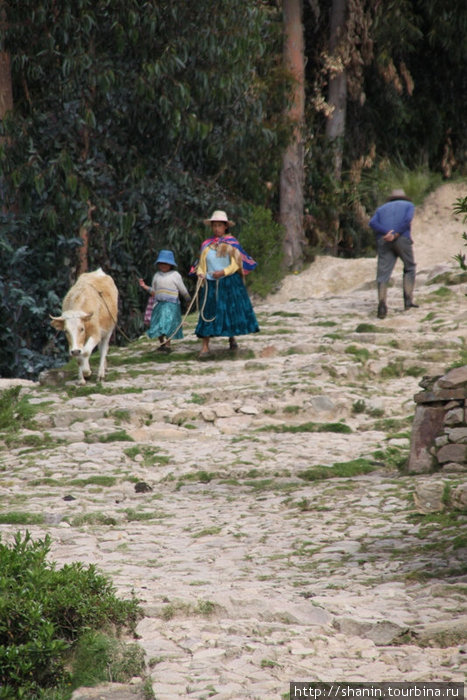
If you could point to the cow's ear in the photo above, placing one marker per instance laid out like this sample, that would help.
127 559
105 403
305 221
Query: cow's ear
57 322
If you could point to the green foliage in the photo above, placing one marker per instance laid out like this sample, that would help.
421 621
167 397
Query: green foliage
99 658
339 470
44 613
360 354
460 207
14 517
262 237
377 182
15 411
132 120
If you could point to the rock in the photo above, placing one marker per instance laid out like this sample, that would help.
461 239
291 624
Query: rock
428 496
446 633
381 632
452 453
249 410
459 496
142 487
208 415
428 422
454 378
269 351
454 416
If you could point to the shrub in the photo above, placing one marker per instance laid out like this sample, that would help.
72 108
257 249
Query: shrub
44 613
262 238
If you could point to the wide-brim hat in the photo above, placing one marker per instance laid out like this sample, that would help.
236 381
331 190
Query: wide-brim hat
219 216
166 256
397 194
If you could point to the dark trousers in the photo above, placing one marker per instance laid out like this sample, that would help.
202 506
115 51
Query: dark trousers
387 257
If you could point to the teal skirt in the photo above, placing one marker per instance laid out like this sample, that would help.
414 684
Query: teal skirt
165 318
225 309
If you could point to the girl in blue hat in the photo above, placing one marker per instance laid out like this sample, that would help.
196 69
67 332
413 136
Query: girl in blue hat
167 286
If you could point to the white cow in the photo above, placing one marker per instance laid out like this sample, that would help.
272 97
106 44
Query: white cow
89 316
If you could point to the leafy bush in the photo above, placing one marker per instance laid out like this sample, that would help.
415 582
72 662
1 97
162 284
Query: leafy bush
97 143
262 238
44 613
15 410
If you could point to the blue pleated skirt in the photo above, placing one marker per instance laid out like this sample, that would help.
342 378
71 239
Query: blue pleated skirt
225 309
165 318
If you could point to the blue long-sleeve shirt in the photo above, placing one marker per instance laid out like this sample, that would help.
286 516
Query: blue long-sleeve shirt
394 216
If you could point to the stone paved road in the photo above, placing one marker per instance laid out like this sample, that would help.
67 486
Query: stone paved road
252 571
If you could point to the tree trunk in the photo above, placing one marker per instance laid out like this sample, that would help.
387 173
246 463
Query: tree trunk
292 174
84 235
337 96
6 90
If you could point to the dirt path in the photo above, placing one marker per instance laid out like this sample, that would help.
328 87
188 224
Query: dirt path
254 566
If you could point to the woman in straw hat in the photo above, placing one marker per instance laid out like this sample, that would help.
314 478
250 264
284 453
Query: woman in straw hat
225 307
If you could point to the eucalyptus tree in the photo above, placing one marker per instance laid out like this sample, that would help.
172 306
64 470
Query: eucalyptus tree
292 174
6 92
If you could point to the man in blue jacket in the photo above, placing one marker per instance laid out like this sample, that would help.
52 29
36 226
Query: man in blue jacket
391 223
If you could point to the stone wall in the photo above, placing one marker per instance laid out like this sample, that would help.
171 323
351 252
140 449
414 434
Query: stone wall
439 432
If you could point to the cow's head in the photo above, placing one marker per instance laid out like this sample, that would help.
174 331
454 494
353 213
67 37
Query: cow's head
74 325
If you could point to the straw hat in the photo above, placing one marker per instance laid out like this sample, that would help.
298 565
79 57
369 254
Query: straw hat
219 216
397 194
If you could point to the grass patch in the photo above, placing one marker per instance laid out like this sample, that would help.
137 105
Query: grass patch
77 391
393 370
133 515
15 411
97 480
360 354
393 457
205 608
198 399
449 520
150 455
286 314
441 293
34 442
116 436
393 425
214 530
14 517
415 371
354 467
371 328
93 519
121 415
292 409
200 476
100 658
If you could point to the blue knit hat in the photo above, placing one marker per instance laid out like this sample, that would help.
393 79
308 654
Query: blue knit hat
166 256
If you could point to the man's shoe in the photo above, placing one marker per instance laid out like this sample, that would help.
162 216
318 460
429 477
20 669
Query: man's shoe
382 309
410 305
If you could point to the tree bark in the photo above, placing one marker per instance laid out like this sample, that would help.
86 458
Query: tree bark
84 235
292 174
6 90
337 96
